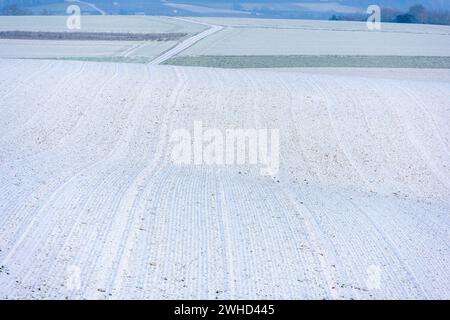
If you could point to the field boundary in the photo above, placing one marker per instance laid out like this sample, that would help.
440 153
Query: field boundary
311 61
89 36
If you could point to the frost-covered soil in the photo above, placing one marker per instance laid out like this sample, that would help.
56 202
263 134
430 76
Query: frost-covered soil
433 75
360 208
127 24
73 49
128 51
297 41
321 25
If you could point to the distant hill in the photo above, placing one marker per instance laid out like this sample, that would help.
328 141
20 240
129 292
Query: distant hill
295 9
401 4
395 4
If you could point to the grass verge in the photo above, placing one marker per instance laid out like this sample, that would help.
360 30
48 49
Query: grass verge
300 61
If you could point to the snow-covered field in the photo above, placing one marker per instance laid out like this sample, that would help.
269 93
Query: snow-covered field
91 206
299 37
320 25
121 24
253 38
253 41
73 49
133 51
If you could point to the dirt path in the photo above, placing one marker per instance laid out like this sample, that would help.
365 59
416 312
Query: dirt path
183 45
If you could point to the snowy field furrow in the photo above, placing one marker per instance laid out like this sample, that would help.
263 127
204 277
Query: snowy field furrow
359 208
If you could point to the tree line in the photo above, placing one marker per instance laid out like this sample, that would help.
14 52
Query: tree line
416 14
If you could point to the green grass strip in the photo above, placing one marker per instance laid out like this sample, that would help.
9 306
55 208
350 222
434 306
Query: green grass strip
319 61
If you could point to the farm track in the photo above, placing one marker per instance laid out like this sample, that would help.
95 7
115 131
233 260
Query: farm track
187 43
86 181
